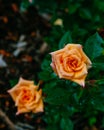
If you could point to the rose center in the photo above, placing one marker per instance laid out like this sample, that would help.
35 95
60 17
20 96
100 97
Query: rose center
72 63
26 95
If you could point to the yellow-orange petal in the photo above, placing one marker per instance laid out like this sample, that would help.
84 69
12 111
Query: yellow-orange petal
24 82
71 46
81 73
57 52
39 108
13 93
81 81
22 110
53 67
63 73
85 59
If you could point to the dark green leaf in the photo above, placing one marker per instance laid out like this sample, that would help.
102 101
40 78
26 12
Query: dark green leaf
99 66
101 5
13 82
93 47
73 7
85 13
100 106
25 4
46 65
65 40
47 75
92 121
57 96
66 124
52 127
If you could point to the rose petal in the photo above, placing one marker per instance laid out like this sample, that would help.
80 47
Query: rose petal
81 73
80 81
23 82
13 92
85 59
22 110
39 108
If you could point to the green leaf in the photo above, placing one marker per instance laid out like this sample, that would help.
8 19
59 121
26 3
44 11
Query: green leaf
101 5
73 7
66 124
57 96
93 47
52 127
100 106
46 64
99 66
13 82
67 111
97 99
86 14
92 121
65 40
25 4
47 75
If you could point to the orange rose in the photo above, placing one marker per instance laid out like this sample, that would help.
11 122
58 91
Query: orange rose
71 63
26 97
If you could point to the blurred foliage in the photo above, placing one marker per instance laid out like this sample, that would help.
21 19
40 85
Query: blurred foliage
67 105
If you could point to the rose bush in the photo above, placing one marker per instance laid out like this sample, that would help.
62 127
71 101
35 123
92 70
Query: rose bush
27 97
71 63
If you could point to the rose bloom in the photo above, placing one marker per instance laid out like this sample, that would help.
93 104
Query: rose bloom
71 63
26 97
